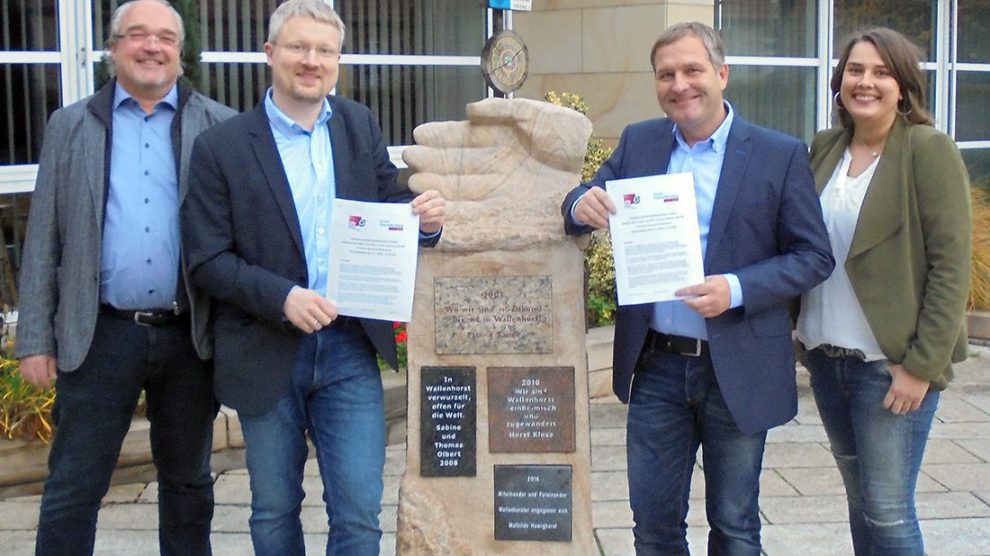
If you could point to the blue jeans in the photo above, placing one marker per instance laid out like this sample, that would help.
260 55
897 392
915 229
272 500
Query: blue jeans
335 396
878 453
676 406
93 410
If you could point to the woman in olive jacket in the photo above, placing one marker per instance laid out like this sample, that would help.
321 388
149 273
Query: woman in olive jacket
880 335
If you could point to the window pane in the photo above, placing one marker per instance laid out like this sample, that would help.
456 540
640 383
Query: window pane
427 27
972 108
978 164
974 31
402 97
767 27
240 86
29 25
780 98
914 18
29 93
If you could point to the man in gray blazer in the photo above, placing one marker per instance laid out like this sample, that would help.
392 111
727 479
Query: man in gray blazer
106 307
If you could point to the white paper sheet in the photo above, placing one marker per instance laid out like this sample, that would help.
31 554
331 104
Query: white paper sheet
373 253
656 242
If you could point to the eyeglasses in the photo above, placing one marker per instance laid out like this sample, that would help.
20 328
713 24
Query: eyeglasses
138 36
300 49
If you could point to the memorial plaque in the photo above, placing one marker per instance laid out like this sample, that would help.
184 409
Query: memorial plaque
531 409
493 314
533 503
448 421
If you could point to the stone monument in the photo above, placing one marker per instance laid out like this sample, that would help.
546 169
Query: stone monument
498 457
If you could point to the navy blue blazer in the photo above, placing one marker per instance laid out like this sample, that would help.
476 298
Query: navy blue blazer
244 245
767 229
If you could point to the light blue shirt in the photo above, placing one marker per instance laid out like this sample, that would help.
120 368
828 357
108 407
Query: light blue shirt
704 160
307 157
139 261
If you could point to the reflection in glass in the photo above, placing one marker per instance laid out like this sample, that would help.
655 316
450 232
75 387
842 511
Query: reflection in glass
29 93
780 98
29 25
424 27
402 97
974 31
914 18
972 108
767 27
978 163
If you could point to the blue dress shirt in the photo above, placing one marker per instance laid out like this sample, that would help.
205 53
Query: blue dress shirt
704 160
307 158
139 266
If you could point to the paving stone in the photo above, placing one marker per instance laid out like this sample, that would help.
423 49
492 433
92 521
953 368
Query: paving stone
797 433
812 481
391 493
978 447
231 544
955 410
980 401
123 493
608 458
609 415
17 543
960 430
797 455
130 542
232 489
388 519
609 485
395 461
941 450
952 537
312 468
773 484
611 514
150 493
231 519
18 516
811 539
619 541
314 520
808 509
947 505
961 476
313 487
807 413
610 436
129 517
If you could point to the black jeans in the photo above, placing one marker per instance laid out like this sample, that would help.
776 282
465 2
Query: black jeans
93 410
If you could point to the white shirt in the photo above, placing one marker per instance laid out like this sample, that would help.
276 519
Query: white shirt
830 312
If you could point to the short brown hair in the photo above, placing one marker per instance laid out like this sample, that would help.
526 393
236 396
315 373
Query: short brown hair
708 36
902 58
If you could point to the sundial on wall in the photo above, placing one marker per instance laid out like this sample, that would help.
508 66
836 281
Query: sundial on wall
505 61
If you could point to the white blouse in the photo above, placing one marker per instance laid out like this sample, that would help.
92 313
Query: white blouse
830 313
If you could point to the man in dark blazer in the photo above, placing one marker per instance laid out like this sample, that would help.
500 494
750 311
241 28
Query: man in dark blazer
256 226
717 367
105 302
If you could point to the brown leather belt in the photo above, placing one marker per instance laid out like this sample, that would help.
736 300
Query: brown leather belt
152 317
669 343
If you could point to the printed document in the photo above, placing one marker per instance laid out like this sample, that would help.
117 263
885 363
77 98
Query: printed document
656 243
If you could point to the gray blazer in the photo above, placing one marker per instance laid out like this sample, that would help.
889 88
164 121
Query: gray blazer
60 268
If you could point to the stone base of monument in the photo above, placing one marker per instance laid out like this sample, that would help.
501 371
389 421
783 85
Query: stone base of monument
498 437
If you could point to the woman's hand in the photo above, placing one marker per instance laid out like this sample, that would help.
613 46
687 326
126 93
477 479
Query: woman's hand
906 392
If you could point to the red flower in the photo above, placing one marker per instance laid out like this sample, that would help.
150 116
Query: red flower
401 337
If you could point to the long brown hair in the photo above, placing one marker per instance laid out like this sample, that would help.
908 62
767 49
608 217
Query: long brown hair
902 58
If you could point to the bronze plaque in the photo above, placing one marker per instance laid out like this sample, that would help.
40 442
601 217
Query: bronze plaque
533 503
493 314
531 409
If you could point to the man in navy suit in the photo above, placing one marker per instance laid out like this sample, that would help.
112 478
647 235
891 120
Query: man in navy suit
256 226
715 368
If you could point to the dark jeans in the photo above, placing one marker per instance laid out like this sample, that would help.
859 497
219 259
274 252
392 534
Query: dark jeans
676 406
93 410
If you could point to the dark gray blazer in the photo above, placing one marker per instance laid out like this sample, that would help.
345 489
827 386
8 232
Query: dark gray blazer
60 268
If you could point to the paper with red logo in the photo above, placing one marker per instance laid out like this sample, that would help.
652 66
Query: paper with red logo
373 253
656 242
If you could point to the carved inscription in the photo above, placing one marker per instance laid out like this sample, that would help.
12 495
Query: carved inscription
533 503
448 421
502 314
531 409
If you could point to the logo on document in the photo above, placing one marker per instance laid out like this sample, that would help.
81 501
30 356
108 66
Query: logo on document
666 198
390 226
355 222
630 199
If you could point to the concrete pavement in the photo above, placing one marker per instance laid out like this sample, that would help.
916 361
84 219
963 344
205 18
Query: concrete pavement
802 504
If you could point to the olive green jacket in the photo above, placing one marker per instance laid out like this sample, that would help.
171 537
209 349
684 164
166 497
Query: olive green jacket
909 262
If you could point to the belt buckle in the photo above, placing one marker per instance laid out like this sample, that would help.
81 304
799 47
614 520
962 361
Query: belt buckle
138 315
697 349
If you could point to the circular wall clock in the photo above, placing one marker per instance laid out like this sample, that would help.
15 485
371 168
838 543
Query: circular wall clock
505 61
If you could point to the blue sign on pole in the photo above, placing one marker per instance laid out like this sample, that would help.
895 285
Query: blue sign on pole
521 5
